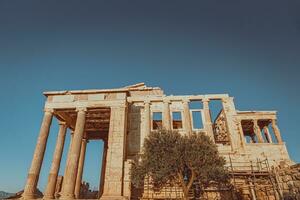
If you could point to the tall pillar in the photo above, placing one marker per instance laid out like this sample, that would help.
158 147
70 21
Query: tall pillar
73 157
166 121
267 134
80 168
187 117
68 156
50 189
38 156
276 131
114 172
257 131
69 150
208 123
241 133
230 116
147 122
103 169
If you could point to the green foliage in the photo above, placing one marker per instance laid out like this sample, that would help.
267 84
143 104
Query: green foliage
169 157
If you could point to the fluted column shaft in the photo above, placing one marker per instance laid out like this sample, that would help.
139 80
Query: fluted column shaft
166 116
257 132
38 156
50 189
268 135
73 157
69 150
208 123
276 131
187 117
80 168
103 167
147 122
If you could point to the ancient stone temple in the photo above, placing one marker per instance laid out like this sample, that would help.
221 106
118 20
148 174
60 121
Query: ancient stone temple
123 117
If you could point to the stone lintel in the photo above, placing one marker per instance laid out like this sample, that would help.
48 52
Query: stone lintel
256 116
96 91
87 104
159 98
113 198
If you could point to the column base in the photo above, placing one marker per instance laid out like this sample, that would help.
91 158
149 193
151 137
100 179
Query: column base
113 198
33 196
67 196
48 197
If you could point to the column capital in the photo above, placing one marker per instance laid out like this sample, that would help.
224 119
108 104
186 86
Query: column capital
81 109
205 100
185 100
226 99
61 122
118 107
166 101
50 110
85 140
255 122
147 101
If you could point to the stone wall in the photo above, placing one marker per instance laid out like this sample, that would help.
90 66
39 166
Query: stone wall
288 178
283 182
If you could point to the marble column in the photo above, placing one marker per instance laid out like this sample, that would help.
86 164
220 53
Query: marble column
80 168
241 133
147 122
257 131
166 121
69 150
267 134
104 154
68 186
208 123
187 117
276 131
50 188
38 156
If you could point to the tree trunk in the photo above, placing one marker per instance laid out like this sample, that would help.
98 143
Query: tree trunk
186 188
185 193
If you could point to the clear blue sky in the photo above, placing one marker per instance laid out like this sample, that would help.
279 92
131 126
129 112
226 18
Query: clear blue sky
249 50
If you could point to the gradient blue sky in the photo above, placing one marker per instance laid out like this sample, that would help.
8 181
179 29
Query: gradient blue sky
249 49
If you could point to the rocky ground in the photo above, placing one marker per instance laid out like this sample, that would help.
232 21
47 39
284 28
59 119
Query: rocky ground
5 194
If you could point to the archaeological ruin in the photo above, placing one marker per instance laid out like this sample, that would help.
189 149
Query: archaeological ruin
250 141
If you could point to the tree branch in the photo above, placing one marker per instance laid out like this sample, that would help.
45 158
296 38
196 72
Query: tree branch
191 180
184 187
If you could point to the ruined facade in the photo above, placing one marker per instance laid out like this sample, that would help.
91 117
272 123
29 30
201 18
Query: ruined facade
123 117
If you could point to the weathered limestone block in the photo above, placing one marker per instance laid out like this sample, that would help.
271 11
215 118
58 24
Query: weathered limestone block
115 156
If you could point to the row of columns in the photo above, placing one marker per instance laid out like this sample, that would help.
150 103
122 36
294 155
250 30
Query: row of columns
258 132
75 159
208 126
166 118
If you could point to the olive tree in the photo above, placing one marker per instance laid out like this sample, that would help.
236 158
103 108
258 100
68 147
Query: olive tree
169 157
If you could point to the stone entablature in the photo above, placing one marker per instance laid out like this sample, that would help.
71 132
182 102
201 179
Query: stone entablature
123 117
